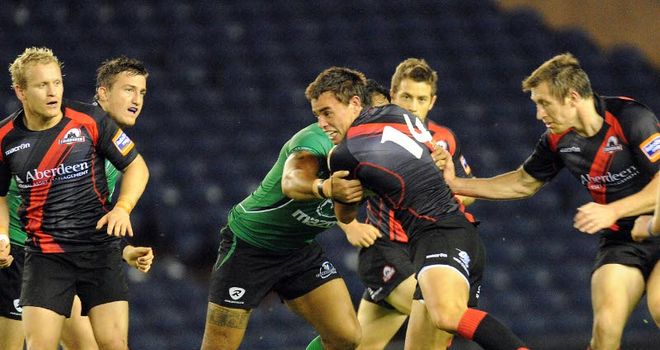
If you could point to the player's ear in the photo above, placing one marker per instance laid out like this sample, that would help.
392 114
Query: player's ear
102 92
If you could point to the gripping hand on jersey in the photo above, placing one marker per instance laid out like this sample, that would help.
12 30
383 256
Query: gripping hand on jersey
118 222
593 217
444 162
344 190
360 235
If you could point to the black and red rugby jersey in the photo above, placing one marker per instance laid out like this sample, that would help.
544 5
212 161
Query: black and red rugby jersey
380 215
61 178
388 149
615 163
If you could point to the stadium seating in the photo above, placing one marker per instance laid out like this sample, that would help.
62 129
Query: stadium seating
227 89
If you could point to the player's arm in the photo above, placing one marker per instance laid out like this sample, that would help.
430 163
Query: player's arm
512 185
593 217
134 181
300 181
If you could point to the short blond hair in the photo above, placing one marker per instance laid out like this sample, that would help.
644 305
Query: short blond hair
417 70
562 73
30 56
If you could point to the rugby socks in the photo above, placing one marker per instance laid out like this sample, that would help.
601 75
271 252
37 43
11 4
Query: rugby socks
487 331
315 344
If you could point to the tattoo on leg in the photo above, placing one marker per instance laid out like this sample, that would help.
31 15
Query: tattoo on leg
224 317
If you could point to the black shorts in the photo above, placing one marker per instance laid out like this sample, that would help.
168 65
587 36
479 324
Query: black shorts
642 255
10 285
51 280
382 267
453 243
243 274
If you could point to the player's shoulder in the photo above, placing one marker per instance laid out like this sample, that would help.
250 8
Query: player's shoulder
625 107
438 128
9 119
83 112
310 138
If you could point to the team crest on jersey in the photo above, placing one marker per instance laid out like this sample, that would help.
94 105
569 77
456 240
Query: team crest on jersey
73 135
122 142
388 273
612 145
651 147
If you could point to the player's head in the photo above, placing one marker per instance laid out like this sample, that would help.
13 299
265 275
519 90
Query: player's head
378 94
336 97
36 76
557 87
121 84
414 86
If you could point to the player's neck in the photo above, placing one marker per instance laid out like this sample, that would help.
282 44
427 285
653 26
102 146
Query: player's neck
588 120
37 122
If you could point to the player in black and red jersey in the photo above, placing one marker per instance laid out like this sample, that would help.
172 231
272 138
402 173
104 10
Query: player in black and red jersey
385 267
56 151
388 150
611 145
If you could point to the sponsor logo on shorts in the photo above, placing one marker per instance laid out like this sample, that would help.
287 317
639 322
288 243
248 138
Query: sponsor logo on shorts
463 259
235 293
612 145
326 270
388 273
374 293
572 149
651 147
73 135
17 306
20 147
439 255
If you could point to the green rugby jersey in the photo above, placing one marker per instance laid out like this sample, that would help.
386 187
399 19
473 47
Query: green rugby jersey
270 220
16 234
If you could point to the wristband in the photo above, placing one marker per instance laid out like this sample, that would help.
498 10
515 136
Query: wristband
649 228
319 188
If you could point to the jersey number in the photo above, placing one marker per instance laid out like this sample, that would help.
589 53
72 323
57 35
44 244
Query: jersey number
418 132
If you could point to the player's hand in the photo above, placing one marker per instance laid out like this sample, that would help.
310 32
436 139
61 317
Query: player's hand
593 217
344 190
5 254
361 235
140 258
444 162
640 230
118 222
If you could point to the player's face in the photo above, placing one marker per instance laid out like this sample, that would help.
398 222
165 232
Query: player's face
42 95
557 114
124 99
415 96
335 117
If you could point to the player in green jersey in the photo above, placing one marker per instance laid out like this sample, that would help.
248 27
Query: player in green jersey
121 86
269 245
